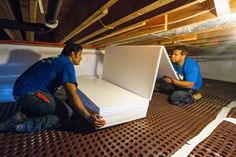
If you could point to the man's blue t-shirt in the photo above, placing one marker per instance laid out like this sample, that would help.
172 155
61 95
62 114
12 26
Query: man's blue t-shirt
46 75
190 71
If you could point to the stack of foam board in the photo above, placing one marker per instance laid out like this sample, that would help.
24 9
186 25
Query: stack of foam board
116 104
126 87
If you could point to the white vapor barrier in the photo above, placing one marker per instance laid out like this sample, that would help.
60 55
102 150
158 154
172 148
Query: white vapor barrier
134 67
15 59
116 105
224 70
186 149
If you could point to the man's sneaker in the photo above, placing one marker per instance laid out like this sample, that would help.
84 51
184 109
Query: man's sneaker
11 123
197 96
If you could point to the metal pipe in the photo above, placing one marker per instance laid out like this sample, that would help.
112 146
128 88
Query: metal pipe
217 22
51 20
23 26
53 10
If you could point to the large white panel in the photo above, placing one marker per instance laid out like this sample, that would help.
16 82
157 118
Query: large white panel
105 94
115 104
132 67
165 67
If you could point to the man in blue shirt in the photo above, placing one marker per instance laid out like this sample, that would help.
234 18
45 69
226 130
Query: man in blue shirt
186 89
36 90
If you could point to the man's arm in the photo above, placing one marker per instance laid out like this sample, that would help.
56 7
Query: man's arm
184 84
75 99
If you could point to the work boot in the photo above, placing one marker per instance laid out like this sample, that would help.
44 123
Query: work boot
11 123
196 96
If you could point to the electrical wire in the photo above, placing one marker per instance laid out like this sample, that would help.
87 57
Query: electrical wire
105 26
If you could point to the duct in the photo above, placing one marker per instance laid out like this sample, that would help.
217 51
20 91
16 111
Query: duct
51 21
217 22
228 19
52 13
24 26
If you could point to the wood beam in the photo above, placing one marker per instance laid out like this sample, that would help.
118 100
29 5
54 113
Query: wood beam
207 44
151 28
24 5
187 37
89 21
232 6
84 25
137 25
171 40
174 11
196 27
127 18
212 40
217 33
141 31
166 22
6 13
190 15
32 15
136 34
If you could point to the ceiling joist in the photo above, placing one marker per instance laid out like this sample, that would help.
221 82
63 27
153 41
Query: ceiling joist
83 26
142 31
137 25
6 13
32 18
127 18
28 11
90 20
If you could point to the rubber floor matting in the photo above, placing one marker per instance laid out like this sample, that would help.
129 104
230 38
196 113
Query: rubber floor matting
165 130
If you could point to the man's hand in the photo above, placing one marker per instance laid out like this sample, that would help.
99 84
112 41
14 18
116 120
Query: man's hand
167 79
97 120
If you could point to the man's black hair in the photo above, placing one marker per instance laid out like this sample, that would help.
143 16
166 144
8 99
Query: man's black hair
183 49
70 47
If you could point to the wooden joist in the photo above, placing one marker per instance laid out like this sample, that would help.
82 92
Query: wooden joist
24 4
6 13
137 25
149 28
90 20
127 18
32 18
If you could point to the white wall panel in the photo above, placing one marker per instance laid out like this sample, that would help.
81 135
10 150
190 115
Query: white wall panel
224 70
15 59
135 67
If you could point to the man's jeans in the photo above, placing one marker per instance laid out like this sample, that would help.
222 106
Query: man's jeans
43 115
178 95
